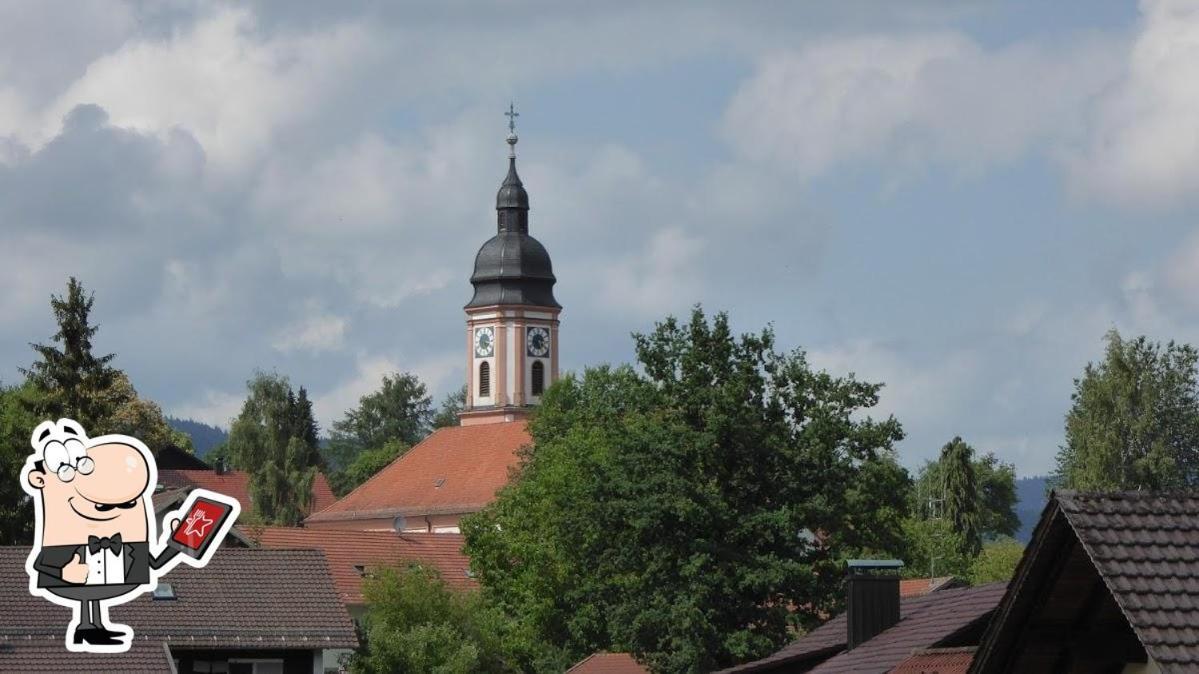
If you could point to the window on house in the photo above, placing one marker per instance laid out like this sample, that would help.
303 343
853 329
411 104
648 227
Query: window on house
538 377
484 380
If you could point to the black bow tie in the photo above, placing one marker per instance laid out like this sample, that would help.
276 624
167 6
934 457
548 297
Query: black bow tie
95 545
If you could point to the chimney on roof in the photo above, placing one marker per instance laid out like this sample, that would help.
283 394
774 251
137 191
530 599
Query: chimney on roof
220 467
872 602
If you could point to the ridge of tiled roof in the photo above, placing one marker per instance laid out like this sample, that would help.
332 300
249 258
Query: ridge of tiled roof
236 483
925 621
346 550
246 598
937 661
1145 547
48 654
608 663
457 469
914 587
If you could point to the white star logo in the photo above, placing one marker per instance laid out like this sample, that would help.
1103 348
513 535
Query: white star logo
197 524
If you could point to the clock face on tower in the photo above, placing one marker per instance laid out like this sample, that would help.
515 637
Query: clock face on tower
537 341
484 341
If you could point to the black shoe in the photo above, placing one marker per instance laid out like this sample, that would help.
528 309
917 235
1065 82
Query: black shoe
98 637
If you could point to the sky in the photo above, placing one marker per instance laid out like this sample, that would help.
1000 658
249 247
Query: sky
955 199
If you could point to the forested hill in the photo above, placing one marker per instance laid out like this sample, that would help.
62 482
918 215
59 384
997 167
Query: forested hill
1031 496
204 437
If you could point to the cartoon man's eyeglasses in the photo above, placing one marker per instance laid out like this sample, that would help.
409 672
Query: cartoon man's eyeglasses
67 459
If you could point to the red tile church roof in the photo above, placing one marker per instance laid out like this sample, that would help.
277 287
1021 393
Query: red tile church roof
454 470
346 550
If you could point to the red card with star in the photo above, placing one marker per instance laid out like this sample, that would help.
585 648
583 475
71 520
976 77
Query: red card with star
197 529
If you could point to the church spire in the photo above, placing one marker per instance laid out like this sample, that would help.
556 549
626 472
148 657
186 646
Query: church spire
512 201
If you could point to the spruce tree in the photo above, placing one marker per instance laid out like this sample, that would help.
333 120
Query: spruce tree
76 382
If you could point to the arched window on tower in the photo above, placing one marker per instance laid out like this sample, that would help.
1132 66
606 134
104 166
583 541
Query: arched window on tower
484 380
538 377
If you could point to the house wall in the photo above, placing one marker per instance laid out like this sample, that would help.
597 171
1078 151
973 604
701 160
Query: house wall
1150 667
295 661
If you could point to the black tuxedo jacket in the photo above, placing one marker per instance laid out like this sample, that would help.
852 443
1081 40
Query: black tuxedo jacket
53 558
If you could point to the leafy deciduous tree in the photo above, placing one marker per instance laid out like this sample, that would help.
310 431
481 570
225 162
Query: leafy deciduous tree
367 463
665 513
400 410
996 562
415 624
451 407
1135 420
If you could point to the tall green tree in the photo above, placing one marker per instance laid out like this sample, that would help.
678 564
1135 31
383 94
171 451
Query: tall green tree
678 513
17 422
274 439
453 405
961 494
1134 423
995 499
75 381
400 410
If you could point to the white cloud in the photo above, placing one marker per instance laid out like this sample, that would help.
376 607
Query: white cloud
220 79
314 332
912 100
1143 144
217 408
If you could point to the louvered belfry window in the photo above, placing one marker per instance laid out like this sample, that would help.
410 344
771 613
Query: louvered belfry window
484 380
538 377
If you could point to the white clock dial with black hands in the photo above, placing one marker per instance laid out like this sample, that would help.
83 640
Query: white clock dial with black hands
484 341
537 341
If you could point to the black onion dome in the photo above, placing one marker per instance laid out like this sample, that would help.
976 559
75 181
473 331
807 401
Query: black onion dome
513 267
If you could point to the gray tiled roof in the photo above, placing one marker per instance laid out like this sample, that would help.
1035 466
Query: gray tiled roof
46 654
243 598
1146 549
924 621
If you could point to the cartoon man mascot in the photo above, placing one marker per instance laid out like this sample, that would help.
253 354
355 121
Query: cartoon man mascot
96 542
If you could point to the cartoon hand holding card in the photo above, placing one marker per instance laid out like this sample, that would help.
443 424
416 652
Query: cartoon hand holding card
96 543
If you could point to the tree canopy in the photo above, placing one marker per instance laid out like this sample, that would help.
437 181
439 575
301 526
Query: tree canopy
415 624
274 438
400 410
1134 423
677 513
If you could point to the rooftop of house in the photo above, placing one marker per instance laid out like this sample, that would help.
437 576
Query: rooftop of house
937 661
1123 565
455 470
914 587
926 621
46 654
608 663
351 554
236 483
243 598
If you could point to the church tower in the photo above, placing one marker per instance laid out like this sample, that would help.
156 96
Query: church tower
512 320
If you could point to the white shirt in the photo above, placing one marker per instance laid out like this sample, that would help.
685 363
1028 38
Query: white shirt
105 567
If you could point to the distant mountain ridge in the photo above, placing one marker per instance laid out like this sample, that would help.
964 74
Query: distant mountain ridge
1032 493
204 437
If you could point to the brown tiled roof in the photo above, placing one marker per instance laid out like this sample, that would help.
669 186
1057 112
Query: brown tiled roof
455 470
937 661
1146 549
346 550
236 483
244 598
925 621
49 654
914 587
608 663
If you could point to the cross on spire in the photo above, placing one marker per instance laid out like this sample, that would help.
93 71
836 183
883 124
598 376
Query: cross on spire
512 114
